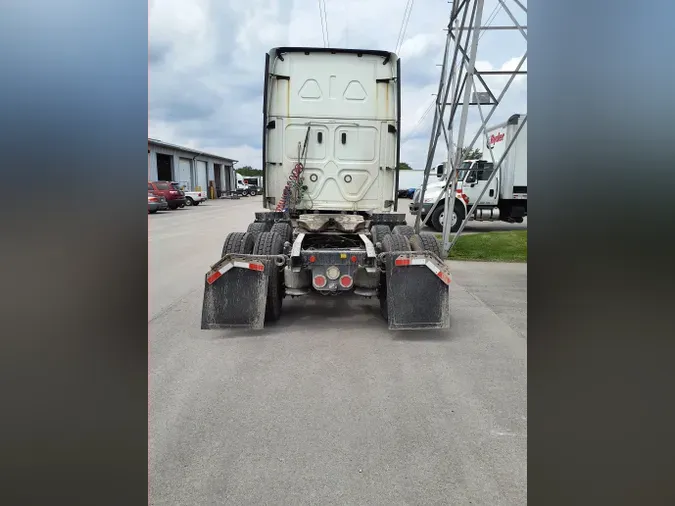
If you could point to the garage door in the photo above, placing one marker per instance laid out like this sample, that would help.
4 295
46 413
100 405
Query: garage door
201 175
183 175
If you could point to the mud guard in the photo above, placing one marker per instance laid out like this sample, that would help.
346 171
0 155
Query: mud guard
418 291
235 292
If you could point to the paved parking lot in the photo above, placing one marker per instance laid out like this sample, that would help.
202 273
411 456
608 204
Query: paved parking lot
327 406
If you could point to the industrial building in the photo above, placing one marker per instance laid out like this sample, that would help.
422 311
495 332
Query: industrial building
193 169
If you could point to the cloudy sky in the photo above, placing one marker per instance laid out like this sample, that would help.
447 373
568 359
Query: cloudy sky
206 60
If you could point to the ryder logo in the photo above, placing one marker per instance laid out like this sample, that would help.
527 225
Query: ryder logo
494 139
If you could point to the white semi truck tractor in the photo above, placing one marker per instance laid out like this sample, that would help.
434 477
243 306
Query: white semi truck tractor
506 196
331 143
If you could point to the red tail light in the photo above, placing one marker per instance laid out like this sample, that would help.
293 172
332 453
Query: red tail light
173 192
346 281
320 281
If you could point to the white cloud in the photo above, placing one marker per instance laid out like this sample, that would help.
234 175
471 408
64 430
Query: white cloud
207 56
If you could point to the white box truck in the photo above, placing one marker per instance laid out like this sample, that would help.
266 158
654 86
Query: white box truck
331 125
505 198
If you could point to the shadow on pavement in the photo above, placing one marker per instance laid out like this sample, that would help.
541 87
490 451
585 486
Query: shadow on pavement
352 314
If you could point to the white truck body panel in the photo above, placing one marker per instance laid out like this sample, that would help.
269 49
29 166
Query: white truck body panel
350 101
240 182
513 171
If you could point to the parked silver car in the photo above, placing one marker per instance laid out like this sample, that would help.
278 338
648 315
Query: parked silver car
156 203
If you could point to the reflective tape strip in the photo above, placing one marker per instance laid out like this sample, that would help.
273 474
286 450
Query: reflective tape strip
253 266
403 261
442 275
213 277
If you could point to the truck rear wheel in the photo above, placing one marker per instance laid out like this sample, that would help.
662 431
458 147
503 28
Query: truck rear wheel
256 228
378 232
425 242
284 230
391 242
271 243
238 242
405 230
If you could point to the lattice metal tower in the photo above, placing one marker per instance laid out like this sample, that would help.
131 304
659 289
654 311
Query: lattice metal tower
457 88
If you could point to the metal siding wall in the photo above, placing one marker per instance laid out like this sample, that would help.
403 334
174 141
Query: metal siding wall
224 178
152 165
210 171
182 175
175 167
200 173
203 176
210 176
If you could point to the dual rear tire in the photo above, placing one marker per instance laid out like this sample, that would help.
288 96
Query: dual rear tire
264 243
399 240
271 243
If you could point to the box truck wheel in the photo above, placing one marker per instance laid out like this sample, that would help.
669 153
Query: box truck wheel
284 230
391 242
425 242
405 230
238 242
438 217
378 232
271 243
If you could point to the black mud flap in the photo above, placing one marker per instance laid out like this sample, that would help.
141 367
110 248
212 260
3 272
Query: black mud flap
418 286
235 293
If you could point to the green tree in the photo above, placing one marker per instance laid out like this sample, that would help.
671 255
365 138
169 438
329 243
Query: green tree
249 171
471 154
404 166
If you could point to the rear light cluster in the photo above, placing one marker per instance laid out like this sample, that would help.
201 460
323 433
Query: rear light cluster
173 192
333 274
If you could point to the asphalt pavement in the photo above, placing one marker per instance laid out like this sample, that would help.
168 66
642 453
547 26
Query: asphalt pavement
327 406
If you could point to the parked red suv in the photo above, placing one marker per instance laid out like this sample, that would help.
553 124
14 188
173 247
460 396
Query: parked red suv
174 196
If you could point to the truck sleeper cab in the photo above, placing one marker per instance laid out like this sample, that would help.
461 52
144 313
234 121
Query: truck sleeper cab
331 124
